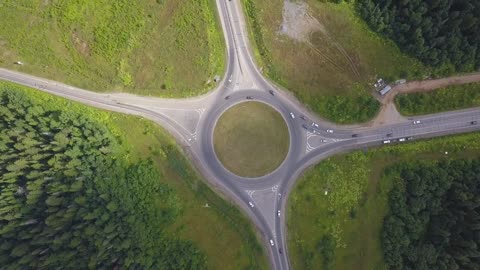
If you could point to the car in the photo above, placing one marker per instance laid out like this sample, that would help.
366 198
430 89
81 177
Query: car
305 126
389 134
227 97
329 131
401 139
323 140
415 122
354 135
409 138
280 250
271 92
386 141
249 97
315 125
292 115
279 195
473 123
302 117
278 213
271 243
251 204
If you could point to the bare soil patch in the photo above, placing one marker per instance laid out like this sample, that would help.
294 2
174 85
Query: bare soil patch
297 22
81 45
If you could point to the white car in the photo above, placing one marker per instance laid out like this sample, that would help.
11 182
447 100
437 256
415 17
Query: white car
292 115
271 243
278 213
315 125
329 131
402 139
386 141
416 122
251 204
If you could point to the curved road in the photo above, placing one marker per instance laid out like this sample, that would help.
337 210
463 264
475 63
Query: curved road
191 122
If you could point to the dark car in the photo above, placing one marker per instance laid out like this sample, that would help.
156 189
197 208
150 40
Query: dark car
227 97
305 126
473 123
271 92
389 134
280 250
249 97
354 135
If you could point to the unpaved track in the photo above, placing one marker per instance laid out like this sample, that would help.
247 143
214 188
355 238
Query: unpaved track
388 112
429 85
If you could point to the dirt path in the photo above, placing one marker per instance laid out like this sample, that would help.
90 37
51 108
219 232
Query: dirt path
428 85
389 114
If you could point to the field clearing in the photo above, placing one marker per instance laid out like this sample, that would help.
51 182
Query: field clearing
335 63
165 48
251 139
219 228
351 214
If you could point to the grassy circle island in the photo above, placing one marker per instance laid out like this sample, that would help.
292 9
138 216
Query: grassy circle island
251 139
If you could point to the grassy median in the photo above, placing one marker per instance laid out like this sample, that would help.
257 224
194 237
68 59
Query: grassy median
440 100
336 56
167 48
342 229
251 139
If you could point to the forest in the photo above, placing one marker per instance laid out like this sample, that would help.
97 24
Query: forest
434 219
441 33
69 200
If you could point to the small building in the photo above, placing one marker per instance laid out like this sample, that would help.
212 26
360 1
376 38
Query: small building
385 90
379 84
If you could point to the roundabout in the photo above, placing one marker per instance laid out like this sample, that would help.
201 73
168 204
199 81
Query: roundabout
251 139
276 169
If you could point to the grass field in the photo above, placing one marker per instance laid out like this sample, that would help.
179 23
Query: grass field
167 48
218 229
251 139
341 230
440 100
334 67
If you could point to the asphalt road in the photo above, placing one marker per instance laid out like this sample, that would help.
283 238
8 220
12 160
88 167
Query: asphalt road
192 121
